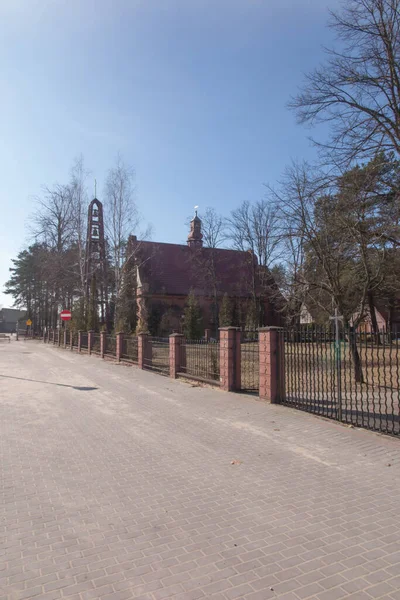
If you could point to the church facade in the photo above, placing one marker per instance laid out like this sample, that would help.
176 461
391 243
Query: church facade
168 273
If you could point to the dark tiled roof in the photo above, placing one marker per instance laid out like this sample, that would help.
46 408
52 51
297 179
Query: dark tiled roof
177 269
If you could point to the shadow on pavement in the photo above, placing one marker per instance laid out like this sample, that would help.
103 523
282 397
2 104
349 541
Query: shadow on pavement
73 387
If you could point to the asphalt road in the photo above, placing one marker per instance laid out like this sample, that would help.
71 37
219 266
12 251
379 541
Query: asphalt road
119 484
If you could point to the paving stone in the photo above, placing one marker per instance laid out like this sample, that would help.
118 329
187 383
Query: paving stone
128 491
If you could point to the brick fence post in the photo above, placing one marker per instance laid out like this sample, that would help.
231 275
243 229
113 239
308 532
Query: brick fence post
90 341
79 340
144 349
65 338
238 358
119 338
176 351
272 364
102 343
229 359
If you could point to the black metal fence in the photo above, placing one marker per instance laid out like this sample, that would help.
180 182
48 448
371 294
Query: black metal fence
130 348
84 341
74 335
200 360
111 345
157 356
96 343
352 377
250 362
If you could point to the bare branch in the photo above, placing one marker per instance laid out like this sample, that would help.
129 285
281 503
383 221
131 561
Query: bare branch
357 90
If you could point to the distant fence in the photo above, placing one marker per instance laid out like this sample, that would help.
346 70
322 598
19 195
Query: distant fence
110 345
24 334
156 357
351 377
96 343
84 341
130 348
74 336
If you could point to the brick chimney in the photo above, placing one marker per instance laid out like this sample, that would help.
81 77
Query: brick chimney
195 238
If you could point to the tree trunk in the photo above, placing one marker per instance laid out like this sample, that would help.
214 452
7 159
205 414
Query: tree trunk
358 373
374 322
389 326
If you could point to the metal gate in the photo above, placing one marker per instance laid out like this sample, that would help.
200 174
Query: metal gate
345 375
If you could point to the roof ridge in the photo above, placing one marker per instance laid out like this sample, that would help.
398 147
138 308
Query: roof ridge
188 247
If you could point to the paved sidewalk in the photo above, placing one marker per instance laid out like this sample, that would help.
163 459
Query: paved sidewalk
119 484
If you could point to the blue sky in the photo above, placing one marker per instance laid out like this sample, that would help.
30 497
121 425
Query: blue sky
192 93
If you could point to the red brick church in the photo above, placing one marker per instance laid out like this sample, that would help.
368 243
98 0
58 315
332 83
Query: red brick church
168 273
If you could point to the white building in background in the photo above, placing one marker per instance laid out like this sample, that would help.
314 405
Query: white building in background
305 316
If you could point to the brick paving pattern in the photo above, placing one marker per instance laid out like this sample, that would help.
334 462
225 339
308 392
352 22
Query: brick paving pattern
119 484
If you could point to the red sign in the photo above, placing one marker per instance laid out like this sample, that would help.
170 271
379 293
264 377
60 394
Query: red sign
65 315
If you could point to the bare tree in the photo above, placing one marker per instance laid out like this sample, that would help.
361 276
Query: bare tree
79 196
254 227
357 90
53 227
289 292
53 220
121 218
204 260
310 225
337 223
213 228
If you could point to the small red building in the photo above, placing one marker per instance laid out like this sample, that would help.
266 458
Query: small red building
387 319
168 273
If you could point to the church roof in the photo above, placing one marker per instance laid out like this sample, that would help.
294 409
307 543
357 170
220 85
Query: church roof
176 269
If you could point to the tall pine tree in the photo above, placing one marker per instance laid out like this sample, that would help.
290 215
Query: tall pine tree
193 326
226 312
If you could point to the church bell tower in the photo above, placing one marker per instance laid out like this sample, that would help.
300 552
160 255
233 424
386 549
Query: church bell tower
195 238
96 263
